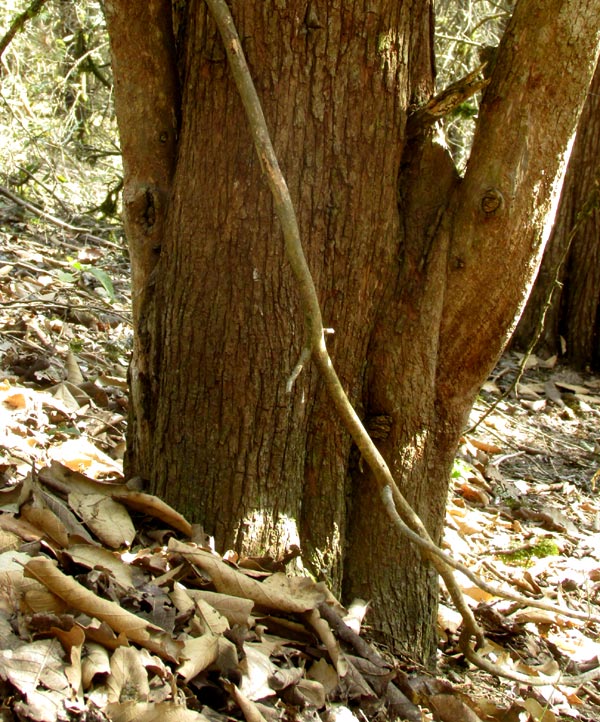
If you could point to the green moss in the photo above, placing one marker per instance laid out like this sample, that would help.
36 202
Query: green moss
523 557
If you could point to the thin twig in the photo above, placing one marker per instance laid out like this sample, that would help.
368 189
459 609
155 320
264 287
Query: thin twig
54 220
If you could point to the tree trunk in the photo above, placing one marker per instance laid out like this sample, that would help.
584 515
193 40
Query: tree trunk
570 269
404 257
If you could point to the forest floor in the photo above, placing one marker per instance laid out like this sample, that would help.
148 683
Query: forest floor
88 564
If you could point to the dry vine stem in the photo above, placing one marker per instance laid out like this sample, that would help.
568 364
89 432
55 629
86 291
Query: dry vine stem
400 511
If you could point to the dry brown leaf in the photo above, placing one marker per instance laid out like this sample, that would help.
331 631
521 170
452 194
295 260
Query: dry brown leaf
96 661
108 519
153 506
198 653
12 581
181 598
43 497
326 636
537 616
575 388
325 673
101 633
81 455
136 629
150 712
487 446
74 374
236 610
96 557
72 642
20 527
212 620
63 479
256 669
285 677
307 693
538 712
450 708
472 493
45 520
128 679
69 395
227 657
281 592
37 670
249 708
36 598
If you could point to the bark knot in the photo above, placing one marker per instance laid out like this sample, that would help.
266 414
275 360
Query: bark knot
492 201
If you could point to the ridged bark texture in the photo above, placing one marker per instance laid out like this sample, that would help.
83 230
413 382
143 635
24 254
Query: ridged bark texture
418 273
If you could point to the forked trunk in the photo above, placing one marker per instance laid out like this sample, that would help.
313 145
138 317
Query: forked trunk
404 257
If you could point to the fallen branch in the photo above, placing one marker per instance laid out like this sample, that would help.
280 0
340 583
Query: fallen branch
56 221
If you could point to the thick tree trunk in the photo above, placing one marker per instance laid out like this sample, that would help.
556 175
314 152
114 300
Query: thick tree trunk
404 256
238 445
570 268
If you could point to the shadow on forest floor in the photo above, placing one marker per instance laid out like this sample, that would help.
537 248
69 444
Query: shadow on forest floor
522 513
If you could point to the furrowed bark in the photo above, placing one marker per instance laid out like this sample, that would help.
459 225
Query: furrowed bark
147 104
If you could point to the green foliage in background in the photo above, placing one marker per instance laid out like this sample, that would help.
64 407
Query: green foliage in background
466 31
59 143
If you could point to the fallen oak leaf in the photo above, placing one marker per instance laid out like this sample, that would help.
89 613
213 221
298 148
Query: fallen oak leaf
120 620
37 670
128 679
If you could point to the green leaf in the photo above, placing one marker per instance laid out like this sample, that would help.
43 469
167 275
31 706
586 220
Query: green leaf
65 277
104 280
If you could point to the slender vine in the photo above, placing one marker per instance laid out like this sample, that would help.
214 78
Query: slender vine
400 511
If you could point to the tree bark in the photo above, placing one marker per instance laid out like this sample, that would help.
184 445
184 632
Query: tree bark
569 276
405 258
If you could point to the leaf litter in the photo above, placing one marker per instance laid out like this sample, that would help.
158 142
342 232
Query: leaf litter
114 607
